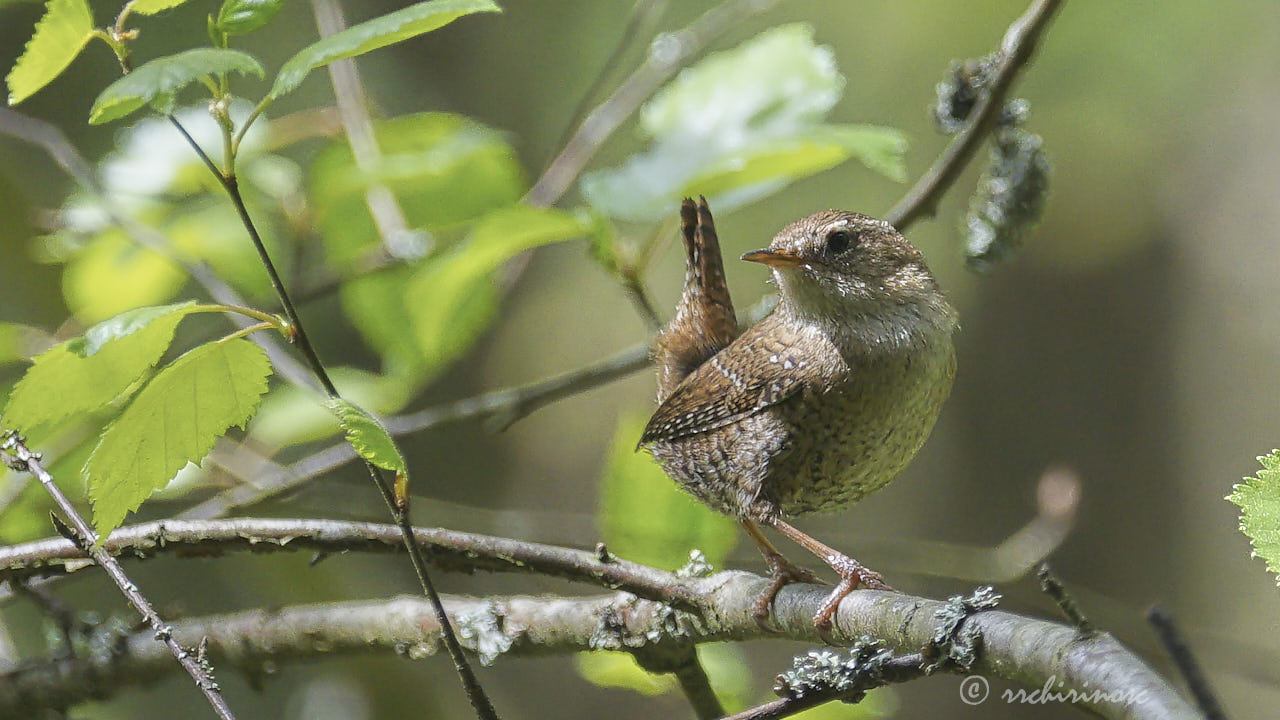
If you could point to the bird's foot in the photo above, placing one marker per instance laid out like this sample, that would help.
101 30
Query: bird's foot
782 572
853 575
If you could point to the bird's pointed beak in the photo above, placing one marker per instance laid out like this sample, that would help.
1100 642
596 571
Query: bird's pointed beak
774 258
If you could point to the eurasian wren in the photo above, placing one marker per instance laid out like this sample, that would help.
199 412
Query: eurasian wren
823 401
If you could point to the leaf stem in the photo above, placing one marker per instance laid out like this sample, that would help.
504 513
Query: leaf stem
250 329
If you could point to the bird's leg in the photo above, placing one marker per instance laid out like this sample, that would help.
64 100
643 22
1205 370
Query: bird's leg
852 574
782 572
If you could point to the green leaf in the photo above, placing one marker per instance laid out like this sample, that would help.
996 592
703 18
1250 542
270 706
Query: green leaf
452 299
617 669
157 82
239 17
292 415
1259 501
113 274
151 7
673 522
85 373
740 125
20 342
59 37
371 440
174 420
376 33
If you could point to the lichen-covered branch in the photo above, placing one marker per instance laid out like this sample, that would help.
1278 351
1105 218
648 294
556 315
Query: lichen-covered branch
1019 649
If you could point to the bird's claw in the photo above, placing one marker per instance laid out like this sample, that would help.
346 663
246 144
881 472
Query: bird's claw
853 575
781 573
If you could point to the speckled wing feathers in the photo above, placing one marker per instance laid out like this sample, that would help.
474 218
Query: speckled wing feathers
758 370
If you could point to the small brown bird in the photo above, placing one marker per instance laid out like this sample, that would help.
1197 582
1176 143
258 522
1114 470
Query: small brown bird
823 401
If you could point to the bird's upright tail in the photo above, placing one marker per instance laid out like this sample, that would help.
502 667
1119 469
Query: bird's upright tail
704 322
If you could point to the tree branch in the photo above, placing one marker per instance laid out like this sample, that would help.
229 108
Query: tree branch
1019 649
1015 51
17 456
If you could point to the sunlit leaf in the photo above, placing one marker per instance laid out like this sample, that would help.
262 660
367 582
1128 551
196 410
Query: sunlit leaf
616 669
151 7
87 372
173 420
452 299
59 37
739 125
20 342
238 17
373 34
158 81
113 274
672 523
1259 501
371 441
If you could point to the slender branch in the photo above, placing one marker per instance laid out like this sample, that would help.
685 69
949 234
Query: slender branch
502 407
1176 645
1015 51
385 210
896 670
18 456
396 505
52 140
1019 649
668 54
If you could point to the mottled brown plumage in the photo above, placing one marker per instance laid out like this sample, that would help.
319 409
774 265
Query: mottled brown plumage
818 404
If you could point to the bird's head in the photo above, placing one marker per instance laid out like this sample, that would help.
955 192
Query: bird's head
836 263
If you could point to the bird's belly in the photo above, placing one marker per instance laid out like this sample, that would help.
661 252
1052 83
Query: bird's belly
857 437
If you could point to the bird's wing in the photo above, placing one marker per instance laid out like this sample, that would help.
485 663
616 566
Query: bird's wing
763 367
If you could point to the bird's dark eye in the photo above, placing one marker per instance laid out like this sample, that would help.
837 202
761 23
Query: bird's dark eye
838 241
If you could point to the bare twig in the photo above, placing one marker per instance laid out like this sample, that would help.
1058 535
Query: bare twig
388 217
895 670
1015 51
501 407
679 658
398 507
1053 587
1019 649
669 53
18 456
1176 645
50 139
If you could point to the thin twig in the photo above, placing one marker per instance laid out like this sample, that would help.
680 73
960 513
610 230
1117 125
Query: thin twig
1054 588
668 54
384 208
18 456
501 407
1015 51
52 140
1176 645
896 670
397 506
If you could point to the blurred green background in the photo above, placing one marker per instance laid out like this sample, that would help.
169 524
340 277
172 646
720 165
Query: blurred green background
1133 340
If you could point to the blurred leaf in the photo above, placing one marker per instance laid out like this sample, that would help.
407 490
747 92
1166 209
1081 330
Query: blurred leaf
158 81
444 169
151 7
19 343
617 669
212 233
726 667
452 299
112 275
83 374
373 34
602 242
172 421
238 17
61 34
645 517
739 125
371 441
1259 501
878 703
